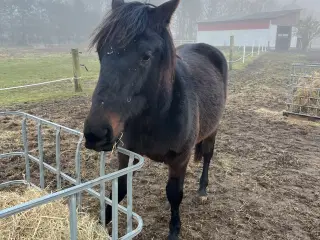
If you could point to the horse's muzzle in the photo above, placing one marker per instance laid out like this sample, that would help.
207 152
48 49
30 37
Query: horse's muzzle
98 139
99 146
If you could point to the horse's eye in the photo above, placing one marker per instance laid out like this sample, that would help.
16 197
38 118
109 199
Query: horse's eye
146 57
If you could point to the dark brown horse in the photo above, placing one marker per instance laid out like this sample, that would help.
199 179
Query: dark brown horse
163 101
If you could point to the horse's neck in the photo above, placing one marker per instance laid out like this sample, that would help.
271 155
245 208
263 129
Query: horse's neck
166 131
173 124
168 95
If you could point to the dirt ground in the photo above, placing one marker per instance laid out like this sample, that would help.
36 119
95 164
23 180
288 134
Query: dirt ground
265 178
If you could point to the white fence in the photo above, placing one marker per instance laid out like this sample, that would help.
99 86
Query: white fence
246 51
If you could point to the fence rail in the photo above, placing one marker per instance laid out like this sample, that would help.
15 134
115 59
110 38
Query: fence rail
228 51
36 84
74 193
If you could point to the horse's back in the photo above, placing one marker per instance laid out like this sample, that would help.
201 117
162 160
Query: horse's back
191 53
207 70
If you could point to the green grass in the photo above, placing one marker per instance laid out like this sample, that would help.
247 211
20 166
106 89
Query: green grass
35 68
21 67
32 68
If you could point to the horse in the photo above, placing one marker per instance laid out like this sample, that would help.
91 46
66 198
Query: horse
165 102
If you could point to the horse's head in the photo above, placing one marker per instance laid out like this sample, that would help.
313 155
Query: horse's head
136 56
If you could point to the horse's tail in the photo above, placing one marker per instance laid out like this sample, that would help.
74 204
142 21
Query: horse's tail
198 152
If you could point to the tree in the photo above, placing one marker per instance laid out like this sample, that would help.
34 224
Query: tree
308 30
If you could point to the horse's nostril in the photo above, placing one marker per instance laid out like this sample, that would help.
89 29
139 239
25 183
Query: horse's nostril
91 137
99 135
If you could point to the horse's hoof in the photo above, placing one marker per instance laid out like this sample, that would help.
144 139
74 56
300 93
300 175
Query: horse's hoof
167 205
202 196
203 199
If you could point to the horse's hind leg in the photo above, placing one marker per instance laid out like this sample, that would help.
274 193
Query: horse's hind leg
207 152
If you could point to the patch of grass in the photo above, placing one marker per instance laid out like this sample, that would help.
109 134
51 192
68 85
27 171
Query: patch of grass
26 67
33 68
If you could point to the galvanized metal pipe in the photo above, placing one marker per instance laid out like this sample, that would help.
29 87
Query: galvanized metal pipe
74 192
73 217
26 147
58 163
129 196
102 190
115 209
78 168
40 149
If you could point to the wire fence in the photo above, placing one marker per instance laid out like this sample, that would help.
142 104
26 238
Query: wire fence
235 55
38 84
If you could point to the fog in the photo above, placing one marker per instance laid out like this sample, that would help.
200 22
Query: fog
32 22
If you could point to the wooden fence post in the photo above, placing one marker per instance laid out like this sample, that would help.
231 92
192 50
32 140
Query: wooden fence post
231 52
76 70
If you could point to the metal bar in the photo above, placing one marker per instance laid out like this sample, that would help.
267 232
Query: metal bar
78 169
309 117
66 129
73 217
73 190
40 148
14 182
129 196
26 148
298 105
58 165
18 182
102 190
12 154
84 187
115 209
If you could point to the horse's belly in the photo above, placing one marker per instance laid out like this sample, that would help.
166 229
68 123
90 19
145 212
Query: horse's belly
209 117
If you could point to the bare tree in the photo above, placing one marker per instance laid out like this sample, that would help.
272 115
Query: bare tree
308 30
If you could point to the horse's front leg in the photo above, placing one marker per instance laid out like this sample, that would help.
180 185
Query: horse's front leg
174 189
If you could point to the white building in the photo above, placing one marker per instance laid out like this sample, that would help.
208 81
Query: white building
274 28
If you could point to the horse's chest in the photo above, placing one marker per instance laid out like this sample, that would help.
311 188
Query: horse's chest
148 142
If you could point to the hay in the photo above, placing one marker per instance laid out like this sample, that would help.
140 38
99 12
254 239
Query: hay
50 221
306 98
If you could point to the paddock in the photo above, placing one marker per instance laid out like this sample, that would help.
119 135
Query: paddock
265 178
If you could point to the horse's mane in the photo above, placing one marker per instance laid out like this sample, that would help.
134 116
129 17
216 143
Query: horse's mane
122 25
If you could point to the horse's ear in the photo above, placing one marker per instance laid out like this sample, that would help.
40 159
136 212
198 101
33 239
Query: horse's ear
164 12
116 3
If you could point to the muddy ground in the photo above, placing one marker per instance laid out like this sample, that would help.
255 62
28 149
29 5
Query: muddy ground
264 181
